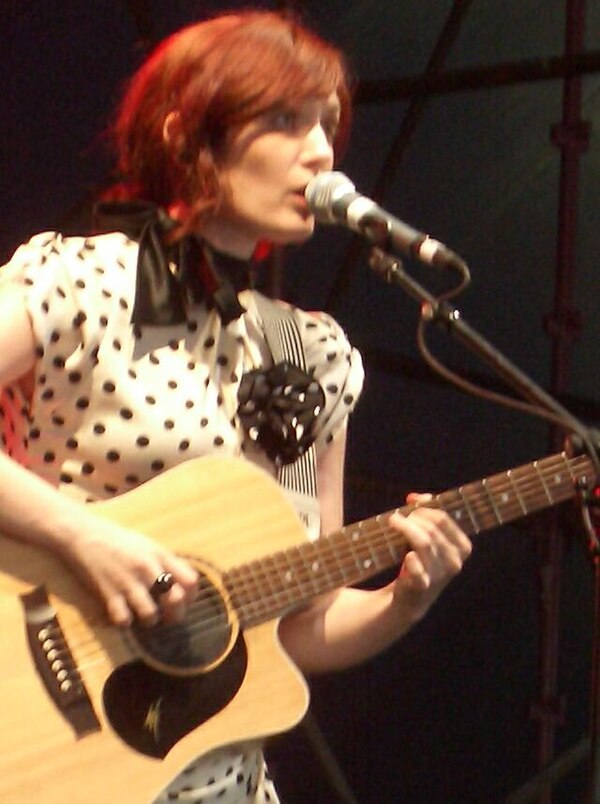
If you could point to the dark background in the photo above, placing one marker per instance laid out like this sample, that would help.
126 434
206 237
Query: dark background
447 714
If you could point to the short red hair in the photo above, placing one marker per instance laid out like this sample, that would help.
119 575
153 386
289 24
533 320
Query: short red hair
216 74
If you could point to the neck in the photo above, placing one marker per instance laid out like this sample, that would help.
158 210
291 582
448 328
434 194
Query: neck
228 240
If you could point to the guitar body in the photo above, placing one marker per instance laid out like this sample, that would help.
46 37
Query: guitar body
222 512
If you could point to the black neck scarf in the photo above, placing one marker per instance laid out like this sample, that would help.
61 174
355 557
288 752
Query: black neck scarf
171 276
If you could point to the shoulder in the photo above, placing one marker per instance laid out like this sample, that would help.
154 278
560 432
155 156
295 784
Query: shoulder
51 263
335 363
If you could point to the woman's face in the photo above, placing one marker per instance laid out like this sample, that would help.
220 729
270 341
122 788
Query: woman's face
265 170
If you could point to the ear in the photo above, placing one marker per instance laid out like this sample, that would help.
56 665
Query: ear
172 133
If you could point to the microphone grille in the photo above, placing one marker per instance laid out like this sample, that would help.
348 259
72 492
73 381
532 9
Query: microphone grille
323 190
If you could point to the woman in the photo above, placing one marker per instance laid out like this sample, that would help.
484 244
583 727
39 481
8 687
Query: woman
128 352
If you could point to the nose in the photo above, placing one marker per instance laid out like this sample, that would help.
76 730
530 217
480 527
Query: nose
318 148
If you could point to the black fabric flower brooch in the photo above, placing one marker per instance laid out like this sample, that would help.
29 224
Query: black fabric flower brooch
279 408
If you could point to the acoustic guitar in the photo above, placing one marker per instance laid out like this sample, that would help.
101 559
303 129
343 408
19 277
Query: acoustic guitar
92 713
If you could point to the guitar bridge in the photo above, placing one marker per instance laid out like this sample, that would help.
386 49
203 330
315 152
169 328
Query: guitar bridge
55 664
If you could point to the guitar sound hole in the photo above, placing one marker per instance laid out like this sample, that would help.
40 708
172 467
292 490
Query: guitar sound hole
201 639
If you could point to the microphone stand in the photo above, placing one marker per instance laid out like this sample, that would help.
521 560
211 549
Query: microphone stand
390 268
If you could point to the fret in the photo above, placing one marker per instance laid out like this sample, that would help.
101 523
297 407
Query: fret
278 575
462 492
453 504
391 545
307 579
567 464
490 496
338 541
505 499
515 486
543 482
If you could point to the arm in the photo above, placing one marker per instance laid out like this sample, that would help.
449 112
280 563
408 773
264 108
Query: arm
117 564
350 625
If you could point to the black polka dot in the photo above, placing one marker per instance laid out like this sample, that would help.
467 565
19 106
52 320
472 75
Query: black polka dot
110 488
191 365
54 336
332 388
142 441
79 283
192 326
58 420
82 403
125 413
209 342
74 376
47 394
99 428
49 457
113 456
222 360
103 321
174 345
71 443
154 359
151 400
184 445
218 441
117 345
203 421
42 379
348 399
107 294
157 466
79 319
65 478
123 304
133 480
60 292
109 387
132 374
172 384
45 307
87 468
169 424
189 403
58 362
331 356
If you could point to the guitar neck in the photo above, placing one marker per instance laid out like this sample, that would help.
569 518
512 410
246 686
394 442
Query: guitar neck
270 587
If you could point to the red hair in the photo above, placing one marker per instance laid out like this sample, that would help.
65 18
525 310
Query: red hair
216 75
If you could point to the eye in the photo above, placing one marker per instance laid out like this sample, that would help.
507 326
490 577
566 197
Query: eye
330 126
284 119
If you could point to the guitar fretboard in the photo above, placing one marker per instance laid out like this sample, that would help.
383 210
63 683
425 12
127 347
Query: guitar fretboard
270 587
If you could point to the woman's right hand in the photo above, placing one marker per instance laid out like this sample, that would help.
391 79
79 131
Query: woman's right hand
121 566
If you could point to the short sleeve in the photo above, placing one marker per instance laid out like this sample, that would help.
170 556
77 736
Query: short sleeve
338 367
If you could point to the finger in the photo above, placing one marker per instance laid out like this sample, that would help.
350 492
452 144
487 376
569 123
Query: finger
416 497
118 610
413 573
444 528
173 605
185 576
143 606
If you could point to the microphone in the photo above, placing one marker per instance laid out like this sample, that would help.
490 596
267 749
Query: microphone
332 199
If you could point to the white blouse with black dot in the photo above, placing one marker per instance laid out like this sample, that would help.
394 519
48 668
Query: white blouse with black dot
114 404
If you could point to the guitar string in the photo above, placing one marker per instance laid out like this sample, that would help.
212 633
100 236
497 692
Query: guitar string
344 559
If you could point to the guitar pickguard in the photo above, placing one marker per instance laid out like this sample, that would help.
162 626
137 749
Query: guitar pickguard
151 711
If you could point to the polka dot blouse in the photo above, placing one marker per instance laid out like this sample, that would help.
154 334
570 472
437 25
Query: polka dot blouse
114 404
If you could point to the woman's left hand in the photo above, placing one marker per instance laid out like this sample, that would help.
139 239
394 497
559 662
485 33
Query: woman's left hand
437 550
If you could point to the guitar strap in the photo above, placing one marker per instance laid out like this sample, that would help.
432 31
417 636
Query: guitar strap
298 480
